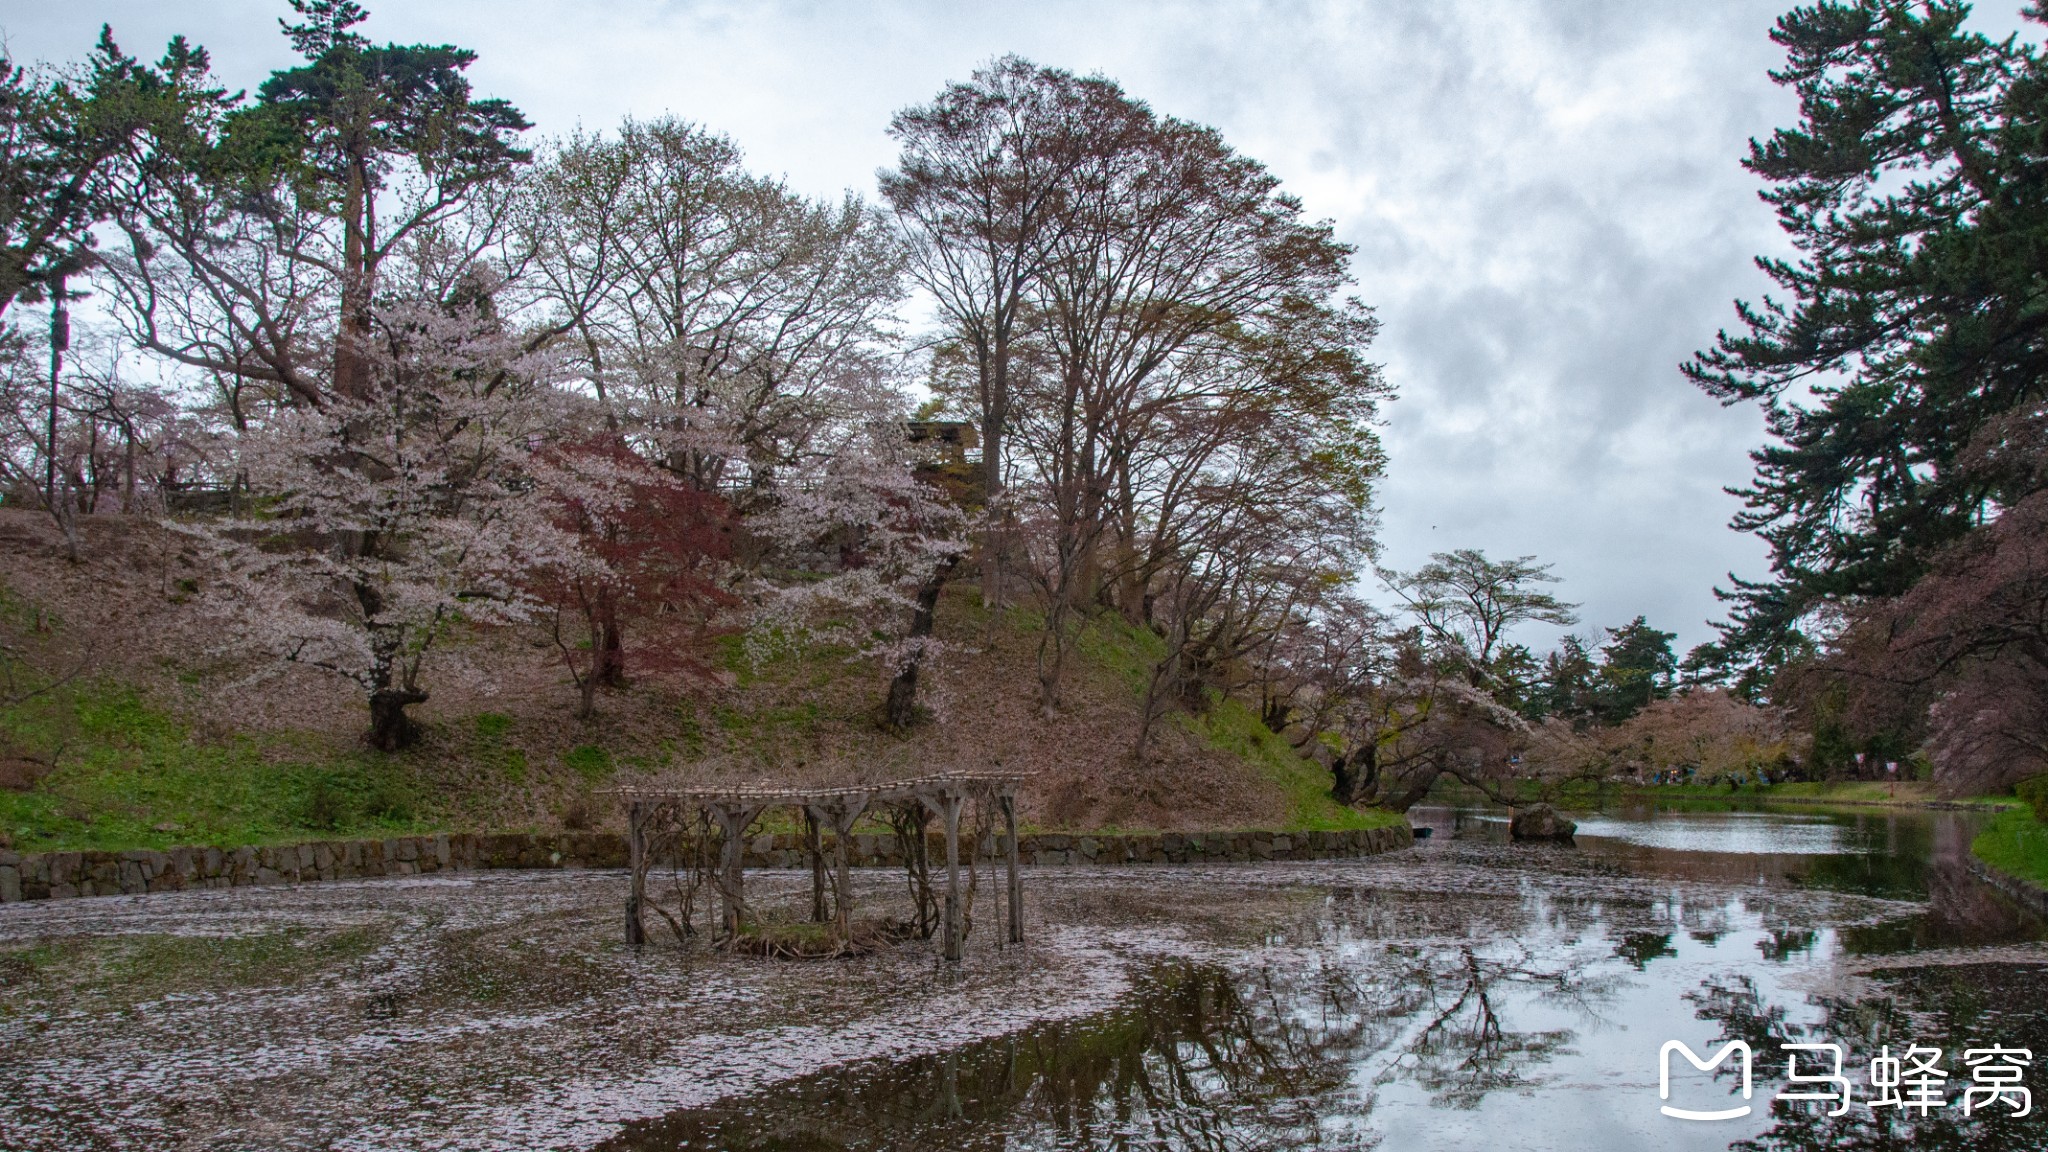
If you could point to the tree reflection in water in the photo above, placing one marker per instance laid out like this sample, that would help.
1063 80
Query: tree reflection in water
1951 1007
1200 1058
1447 998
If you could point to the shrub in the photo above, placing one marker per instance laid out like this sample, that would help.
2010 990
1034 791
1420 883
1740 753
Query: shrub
324 807
2035 793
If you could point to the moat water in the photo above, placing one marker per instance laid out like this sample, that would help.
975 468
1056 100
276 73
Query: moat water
1481 994
1467 993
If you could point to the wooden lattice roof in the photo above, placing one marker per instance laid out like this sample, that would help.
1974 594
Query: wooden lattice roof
968 783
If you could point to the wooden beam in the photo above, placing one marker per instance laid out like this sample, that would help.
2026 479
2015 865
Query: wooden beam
734 819
636 863
946 803
1015 903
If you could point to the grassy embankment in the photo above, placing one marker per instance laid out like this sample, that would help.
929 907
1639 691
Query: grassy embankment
130 774
1906 793
1231 726
1910 793
2016 843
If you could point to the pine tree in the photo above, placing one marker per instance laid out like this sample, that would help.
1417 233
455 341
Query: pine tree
1914 190
1636 667
335 130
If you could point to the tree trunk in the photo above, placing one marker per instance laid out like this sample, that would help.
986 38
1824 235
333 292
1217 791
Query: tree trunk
358 286
390 728
1343 782
608 662
1275 713
59 500
1417 788
1052 655
995 416
901 711
1160 687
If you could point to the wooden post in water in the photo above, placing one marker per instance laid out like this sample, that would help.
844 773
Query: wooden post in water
733 819
841 813
842 873
949 811
655 819
817 854
636 863
1015 902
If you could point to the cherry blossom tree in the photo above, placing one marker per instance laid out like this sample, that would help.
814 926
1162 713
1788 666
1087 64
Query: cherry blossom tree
896 538
715 315
398 511
1959 662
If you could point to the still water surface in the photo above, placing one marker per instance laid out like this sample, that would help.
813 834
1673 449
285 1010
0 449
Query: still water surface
1478 994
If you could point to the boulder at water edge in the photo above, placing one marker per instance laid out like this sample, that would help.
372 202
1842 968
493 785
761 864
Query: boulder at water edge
1540 822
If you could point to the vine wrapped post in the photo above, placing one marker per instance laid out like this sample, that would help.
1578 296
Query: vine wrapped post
840 812
636 862
946 803
733 819
816 852
1007 799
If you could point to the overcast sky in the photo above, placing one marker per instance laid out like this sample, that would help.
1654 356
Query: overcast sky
1545 197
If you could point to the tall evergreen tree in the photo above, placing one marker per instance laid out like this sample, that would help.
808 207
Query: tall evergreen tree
1636 667
71 144
337 132
1917 312
1564 690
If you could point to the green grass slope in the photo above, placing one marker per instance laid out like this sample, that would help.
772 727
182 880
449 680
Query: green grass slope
2016 844
142 751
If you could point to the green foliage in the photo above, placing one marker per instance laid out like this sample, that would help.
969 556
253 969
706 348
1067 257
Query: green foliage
323 806
689 730
1914 188
1121 648
69 149
129 775
1467 604
1636 667
491 748
2035 793
753 726
2015 843
591 762
1232 727
355 109
1566 685
335 802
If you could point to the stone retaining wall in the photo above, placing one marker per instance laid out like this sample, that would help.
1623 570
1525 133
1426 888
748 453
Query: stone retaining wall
2028 895
57 875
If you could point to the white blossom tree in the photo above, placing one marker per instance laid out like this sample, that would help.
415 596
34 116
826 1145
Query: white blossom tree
391 514
897 540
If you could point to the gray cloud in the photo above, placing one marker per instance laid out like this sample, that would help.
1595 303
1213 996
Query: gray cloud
1546 200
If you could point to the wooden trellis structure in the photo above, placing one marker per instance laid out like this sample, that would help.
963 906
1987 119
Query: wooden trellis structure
683 825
